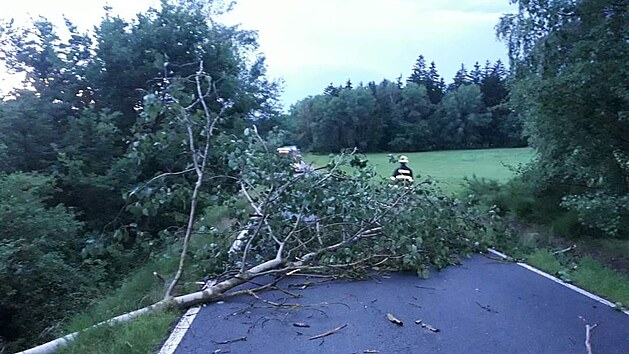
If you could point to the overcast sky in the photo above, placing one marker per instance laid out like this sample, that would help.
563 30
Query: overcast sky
310 43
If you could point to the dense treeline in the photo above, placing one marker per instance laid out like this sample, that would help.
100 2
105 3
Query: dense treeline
71 150
421 114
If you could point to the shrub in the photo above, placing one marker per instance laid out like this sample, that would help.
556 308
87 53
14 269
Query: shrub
606 213
42 275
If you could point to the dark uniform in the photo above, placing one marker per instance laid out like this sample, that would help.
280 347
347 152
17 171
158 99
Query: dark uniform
403 174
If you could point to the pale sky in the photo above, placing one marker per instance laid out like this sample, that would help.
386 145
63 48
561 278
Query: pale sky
310 43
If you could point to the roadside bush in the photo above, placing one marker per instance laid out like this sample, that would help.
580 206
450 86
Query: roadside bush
516 196
42 275
608 214
521 197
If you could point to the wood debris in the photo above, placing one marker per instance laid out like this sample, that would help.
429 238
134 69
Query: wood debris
393 319
486 308
328 333
588 332
565 250
239 339
430 328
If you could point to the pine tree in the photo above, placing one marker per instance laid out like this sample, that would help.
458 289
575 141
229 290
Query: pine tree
476 74
429 78
418 75
331 90
460 78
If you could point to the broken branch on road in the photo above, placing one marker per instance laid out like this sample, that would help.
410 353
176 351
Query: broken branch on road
239 339
588 333
486 308
328 333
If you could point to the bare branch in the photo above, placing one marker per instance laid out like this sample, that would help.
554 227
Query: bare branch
239 339
166 174
200 170
328 333
588 332
255 131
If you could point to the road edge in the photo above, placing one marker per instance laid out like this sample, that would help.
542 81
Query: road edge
179 331
561 282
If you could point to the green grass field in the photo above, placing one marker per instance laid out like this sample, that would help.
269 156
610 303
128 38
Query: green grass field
449 168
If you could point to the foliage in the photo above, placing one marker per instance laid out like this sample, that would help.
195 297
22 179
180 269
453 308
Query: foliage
520 198
142 287
27 134
80 119
463 117
42 276
570 84
419 116
347 220
515 195
610 214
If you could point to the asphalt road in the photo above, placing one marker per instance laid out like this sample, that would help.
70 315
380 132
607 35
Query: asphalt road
483 306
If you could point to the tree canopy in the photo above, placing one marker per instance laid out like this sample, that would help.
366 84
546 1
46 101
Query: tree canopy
572 86
73 142
421 115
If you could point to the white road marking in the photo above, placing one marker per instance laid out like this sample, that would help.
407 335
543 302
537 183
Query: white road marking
180 330
559 281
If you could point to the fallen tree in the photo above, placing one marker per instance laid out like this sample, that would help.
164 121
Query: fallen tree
340 219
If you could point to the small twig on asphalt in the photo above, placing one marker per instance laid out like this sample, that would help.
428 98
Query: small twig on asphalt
370 351
328 333
272 303
486 308
333 277
239 339
414 304
565 250
394 319
262 321
429 327
588 330
308 283
289 293
300 324
425 287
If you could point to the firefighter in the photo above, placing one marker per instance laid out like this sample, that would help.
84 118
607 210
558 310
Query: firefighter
403 173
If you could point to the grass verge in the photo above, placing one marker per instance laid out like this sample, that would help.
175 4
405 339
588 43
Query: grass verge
140 336
140 289
593 275
585 272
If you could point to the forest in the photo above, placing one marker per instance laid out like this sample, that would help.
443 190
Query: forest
126 141
421 113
